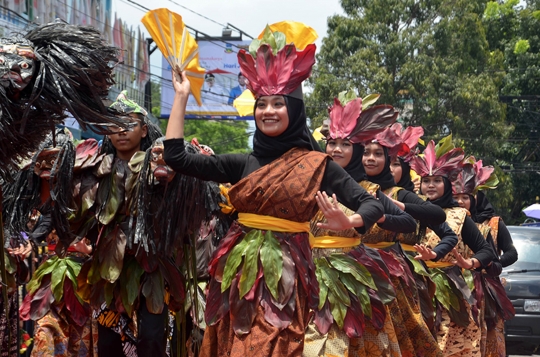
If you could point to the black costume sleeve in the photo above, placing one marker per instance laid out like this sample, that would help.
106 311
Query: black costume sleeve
351 195
232 167
475 240
449 239
218 168
424 211
506 245
396 220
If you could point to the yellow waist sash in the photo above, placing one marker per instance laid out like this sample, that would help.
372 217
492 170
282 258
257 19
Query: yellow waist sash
333 242
410 248
269 223
380 245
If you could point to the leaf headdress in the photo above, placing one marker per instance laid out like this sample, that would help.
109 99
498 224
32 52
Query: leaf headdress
474 177
356 119
278 62
441 160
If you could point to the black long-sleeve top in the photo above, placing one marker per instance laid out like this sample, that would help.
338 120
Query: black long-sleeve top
449 239
473 238
506 246
432 216
421 210
396 220
233 167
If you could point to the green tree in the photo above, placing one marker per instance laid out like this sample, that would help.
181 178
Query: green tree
429 59
513 33
223 136
155 106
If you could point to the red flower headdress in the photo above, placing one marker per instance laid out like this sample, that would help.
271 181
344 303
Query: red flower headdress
356 119
474 177
441 160
273 67
398 141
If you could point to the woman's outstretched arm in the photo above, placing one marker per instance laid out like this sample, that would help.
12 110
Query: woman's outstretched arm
181 85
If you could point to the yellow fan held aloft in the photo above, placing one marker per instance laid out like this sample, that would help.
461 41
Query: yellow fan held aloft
244 103
295 32
177 45
317 134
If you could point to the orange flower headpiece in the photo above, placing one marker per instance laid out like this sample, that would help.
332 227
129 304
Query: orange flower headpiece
441 160
356 119
279 60
474 177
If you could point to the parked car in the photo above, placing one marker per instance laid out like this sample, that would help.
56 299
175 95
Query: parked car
522 284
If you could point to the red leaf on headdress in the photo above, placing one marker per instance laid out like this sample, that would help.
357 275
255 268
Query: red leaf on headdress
411 135
284 62
266 73
372 121
335 112
301 69
248 70
483 173
343 119
449 162
390 139
282 73
430 157
464 183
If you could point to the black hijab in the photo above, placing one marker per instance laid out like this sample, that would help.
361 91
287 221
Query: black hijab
472 206
296 135
484 209
447 199
355 168
405 180
385 179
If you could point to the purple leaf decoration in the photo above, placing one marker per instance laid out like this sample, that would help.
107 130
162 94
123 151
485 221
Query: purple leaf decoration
354 324
378 311
217 303
279 318
372 121
242 311
323 318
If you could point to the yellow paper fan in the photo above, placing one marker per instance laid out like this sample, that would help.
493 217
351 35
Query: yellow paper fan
295 32
317 134
244 103
177 45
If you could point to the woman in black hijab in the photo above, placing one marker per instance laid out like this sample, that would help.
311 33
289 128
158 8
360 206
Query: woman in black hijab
457 333
276 190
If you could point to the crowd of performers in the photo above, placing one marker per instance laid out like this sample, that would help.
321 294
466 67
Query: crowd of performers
156 246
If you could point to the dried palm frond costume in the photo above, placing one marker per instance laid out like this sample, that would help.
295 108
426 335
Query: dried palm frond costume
110 281
63 320
493 303
396 328
458 332
262 274
52 69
